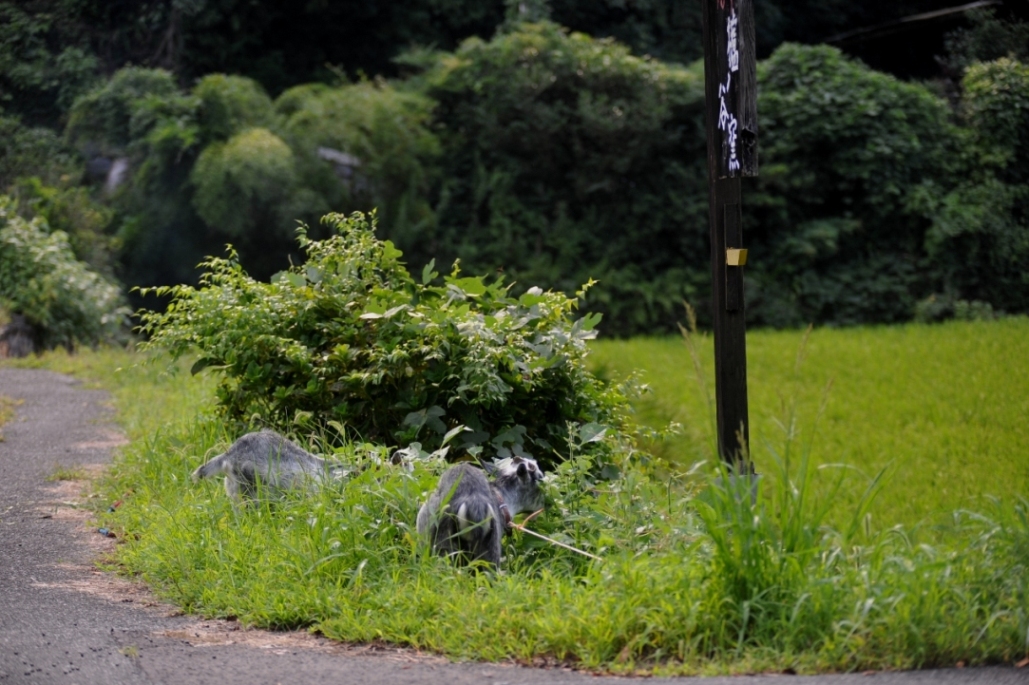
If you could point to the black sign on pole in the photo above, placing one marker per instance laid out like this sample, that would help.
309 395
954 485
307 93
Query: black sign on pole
730 74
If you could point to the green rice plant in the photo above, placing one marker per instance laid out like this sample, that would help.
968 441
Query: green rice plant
942 407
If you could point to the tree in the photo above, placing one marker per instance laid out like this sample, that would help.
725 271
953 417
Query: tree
832 220
979 237
566 158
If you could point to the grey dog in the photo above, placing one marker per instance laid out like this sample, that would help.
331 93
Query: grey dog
267 461
467 515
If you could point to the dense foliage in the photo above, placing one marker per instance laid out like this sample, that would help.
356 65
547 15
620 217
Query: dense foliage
60 297
979 238
53 50
567 158
365 146
551 156
844 149
223 162
352 338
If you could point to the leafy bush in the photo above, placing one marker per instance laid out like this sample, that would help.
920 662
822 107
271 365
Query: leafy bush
59 296
37 81
986 38
100 120
70 209
230 105
33 151
979 237
352 338
221 162
43 174
996 107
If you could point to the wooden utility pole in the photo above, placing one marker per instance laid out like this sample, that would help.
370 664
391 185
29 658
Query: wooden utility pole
730 75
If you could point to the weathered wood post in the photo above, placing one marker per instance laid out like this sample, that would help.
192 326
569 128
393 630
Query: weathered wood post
730 74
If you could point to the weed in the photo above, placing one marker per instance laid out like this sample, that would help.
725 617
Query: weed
60 473
7 408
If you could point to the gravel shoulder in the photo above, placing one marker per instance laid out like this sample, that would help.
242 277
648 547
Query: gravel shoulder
62 620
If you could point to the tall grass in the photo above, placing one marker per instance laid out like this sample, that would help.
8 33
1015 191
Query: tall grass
690 582
696 575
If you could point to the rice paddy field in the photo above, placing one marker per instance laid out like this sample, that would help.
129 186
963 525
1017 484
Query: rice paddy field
944 408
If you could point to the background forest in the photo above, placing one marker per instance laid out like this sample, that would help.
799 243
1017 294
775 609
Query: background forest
551 142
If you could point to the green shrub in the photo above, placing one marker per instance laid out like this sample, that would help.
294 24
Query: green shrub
59 296
100 120
33 151
43 65
70 209
978 241
986 38
386 133
352 338
996 108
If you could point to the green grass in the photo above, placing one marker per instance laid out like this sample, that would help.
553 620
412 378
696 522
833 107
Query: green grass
60 473
694 579
945 406
8 408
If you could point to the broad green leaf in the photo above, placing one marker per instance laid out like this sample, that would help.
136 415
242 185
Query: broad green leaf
427 273
591 432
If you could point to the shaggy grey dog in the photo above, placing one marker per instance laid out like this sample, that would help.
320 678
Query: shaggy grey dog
467 515
268 462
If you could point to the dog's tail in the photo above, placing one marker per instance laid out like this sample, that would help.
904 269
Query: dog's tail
475 520
213 467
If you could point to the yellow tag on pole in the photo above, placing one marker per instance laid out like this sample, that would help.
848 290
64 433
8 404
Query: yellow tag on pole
735 256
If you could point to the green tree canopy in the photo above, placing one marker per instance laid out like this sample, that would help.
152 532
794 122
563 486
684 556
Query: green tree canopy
364 146
979 237
565 158
102 118
230 105
243 181
832 227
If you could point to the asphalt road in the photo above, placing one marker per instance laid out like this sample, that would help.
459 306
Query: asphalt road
64 621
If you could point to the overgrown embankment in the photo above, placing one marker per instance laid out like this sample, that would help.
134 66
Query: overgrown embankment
690 582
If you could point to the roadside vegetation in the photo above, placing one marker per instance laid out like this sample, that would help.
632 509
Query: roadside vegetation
693 578
7 410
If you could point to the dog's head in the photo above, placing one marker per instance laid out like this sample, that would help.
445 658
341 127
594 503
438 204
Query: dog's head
519 479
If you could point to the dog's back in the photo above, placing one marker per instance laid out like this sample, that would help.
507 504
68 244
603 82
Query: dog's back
462 516
264 459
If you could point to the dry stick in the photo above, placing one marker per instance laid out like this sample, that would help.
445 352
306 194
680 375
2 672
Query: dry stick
550 540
